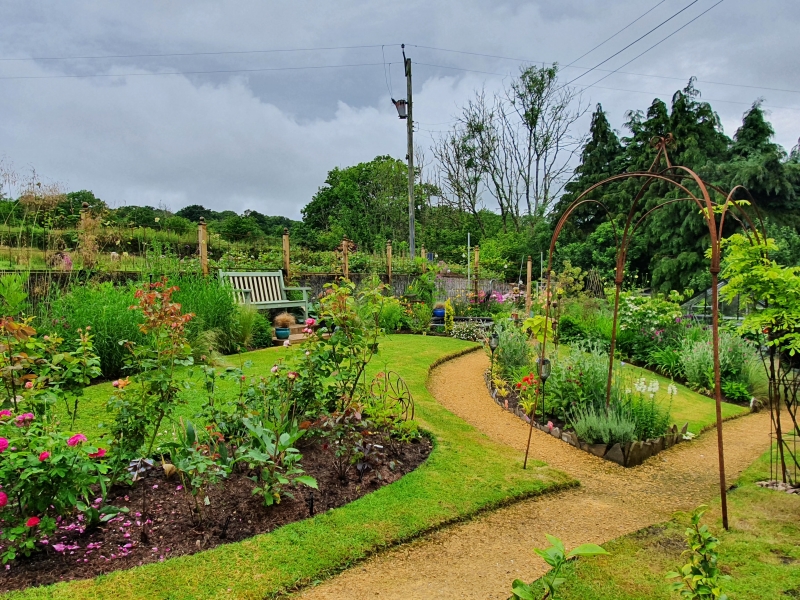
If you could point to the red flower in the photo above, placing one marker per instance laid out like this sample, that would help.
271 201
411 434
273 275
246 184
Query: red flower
76 439
44 456
101 452
32 522
3 499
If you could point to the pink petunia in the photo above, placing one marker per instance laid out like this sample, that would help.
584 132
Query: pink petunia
76 439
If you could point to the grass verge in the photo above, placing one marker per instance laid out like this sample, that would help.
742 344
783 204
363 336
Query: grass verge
466 473
761 550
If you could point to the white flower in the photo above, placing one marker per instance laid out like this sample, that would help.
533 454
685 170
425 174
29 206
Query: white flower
640 385
672 389
627 390
653 387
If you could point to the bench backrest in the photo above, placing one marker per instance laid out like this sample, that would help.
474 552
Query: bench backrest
263 286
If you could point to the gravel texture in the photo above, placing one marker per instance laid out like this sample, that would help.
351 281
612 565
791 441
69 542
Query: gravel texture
479 559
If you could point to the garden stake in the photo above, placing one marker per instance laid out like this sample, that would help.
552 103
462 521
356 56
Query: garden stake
678 177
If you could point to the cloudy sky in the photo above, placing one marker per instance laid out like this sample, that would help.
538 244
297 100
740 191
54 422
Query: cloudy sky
271 95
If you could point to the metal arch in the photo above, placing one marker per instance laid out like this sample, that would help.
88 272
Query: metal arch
390 389
709 210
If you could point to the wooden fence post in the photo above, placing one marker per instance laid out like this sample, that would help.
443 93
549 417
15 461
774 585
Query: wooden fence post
476 264
389 261
286 253
528 300
202 239
346 265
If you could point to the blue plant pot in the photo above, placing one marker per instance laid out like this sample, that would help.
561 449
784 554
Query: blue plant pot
438 312
282 333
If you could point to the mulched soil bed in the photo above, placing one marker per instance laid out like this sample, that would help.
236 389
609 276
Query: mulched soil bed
234 514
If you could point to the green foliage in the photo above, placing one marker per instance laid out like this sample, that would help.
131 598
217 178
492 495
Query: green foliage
261 332
449 313
106 309
577 380
736 391
419 321
139 414
598 425
513 351
700 578
556 556
46 474
12 294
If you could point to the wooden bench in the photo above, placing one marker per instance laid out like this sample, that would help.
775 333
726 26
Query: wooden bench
264 290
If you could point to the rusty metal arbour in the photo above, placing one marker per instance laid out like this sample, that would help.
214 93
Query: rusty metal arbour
713 213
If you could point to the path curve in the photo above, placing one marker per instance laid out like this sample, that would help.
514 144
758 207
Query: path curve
479 559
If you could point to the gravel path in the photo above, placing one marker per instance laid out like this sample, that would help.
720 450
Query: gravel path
479 559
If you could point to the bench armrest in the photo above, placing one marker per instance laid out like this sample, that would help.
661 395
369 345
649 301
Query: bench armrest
298 289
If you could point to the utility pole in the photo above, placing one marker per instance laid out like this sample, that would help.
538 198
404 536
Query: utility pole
404 108
410 129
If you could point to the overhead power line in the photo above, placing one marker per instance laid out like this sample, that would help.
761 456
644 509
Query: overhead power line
641 37
644 14
374 64
216 53
658 43
582 87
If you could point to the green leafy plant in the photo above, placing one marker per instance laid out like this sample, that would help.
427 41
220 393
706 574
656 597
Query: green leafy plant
736 391
46 473
556 556
700 578
275 459
449 313
595 425
513 351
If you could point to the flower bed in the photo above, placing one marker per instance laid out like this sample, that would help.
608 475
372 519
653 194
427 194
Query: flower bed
75 551
630 454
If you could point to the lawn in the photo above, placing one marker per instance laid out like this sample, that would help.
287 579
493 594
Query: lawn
761 551
465 474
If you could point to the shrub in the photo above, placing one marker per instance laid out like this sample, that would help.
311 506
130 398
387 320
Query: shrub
262 332
420 317
578 379
46 474
596 425
736 391
392 315
513 351
667 361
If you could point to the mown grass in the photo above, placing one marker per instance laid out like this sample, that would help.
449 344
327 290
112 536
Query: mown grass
761 551
465 474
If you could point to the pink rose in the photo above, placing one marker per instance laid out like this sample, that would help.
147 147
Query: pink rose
310 322
5 413
274 368
32 522
3 499
550 425
76 439
3 444
28 385
101 452
44 456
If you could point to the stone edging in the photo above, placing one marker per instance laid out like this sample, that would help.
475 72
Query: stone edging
631 454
